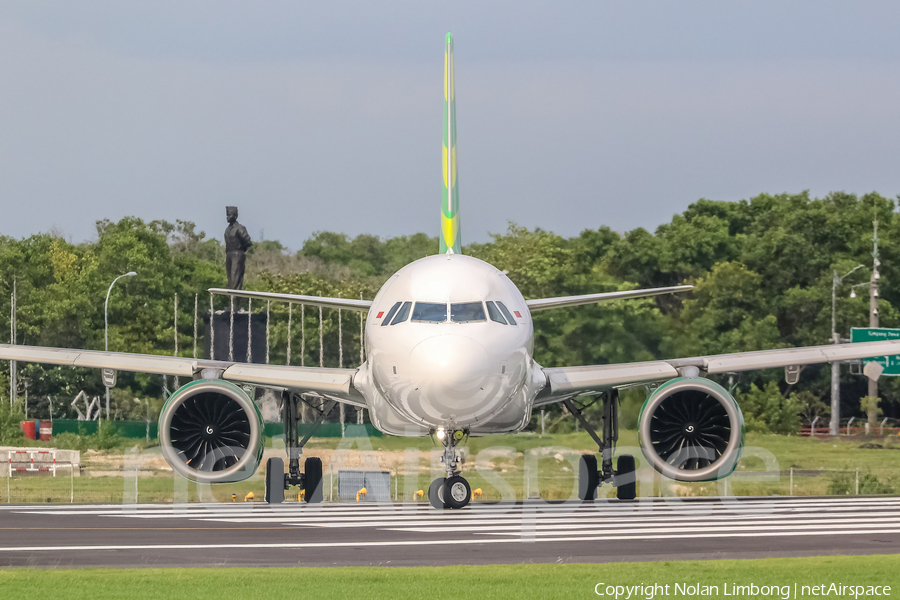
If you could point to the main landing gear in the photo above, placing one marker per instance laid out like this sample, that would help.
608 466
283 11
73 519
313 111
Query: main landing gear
589 476
310 481
452 491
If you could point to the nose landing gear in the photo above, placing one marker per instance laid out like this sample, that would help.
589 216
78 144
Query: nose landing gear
452 491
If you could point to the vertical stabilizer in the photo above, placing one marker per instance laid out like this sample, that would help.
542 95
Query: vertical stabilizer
450 238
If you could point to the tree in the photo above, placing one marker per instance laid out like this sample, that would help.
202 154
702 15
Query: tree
811 406
10 419
762 270
766 410
871 405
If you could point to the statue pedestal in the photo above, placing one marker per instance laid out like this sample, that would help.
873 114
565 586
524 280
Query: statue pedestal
241 338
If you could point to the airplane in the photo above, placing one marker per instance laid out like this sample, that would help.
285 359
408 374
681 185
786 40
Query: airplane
449 345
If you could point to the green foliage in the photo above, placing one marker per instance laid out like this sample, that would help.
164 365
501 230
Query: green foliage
871 405
766 410
106 436
368 255
869 484
844 484
728 312
10 424
537 261
762 270
498 582
811 406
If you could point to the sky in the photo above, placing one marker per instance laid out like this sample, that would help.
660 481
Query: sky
328 115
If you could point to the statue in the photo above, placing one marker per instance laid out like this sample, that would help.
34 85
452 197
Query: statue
237 242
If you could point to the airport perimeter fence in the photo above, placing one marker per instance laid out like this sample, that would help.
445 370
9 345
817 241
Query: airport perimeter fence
110 480
150 429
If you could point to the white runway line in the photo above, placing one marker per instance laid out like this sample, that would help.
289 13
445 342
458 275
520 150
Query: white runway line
522 523
580 528
461 522
640 508
364 544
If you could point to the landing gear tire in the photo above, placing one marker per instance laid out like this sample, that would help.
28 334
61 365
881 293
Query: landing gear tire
435 493
312 480
627 488
588 480
275 481
456 492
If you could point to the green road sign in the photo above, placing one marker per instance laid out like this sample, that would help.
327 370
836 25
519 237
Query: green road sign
891 364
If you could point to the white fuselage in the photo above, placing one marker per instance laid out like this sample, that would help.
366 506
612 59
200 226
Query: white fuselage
449 356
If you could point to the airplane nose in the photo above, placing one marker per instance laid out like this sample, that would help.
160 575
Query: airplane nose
451 370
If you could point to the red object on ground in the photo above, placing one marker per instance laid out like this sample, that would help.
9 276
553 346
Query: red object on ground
28 428
46 430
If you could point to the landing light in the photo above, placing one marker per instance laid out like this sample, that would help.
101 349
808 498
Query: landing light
441 433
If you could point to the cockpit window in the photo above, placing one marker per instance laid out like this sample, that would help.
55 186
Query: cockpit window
467 311
402 314
430 312
387 319
506 313
494 313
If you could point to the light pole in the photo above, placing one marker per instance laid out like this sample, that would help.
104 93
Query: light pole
106 326
873 296
834 426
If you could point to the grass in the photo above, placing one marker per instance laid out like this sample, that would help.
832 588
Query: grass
553 456
435 583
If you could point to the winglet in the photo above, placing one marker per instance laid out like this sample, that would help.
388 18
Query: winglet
450 236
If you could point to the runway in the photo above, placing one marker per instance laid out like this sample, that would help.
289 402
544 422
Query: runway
414 534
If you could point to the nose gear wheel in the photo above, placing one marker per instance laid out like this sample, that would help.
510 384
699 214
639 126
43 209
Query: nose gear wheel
449 492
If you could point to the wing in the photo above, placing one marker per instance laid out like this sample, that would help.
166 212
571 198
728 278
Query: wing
343 303
567 382
336 384
545 303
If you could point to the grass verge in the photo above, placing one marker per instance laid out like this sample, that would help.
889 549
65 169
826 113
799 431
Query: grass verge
820 463
434 583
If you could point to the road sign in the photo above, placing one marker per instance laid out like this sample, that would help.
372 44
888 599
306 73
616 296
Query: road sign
109 377
891 364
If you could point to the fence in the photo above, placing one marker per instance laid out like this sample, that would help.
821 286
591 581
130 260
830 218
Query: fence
149 485
127 429
326 430
141 429
376 483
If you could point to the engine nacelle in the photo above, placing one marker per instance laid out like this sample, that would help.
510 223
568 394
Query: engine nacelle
211 432
691 429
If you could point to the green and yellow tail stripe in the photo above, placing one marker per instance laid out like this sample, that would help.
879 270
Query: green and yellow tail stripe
450 238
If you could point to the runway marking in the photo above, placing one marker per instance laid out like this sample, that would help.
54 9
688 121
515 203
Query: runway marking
365 544
462 519
153 528
693 526
261 511
529 522
644 504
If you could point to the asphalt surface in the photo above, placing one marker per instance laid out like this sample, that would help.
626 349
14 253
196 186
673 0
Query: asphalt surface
413 534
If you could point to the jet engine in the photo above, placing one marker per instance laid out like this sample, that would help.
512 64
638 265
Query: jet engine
691 429
211 432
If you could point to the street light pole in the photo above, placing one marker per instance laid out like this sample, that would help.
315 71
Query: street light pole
835 424
873 298
106 325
